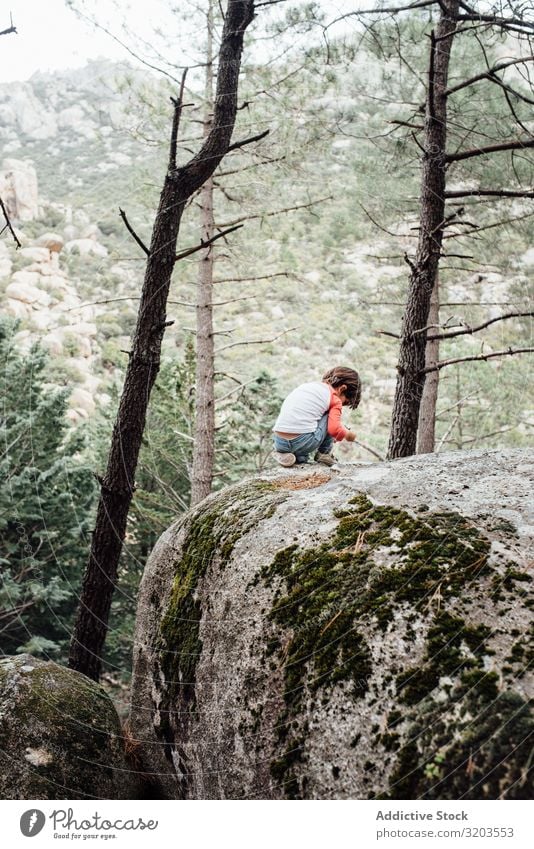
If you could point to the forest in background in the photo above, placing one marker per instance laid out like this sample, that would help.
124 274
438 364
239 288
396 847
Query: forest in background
329 200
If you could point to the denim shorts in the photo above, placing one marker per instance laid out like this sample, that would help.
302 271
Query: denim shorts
306 443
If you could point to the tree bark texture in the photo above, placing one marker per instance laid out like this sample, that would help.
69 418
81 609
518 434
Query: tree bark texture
117 486
204 428
410 379
426 433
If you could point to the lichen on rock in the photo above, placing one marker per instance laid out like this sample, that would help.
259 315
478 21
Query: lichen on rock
365 636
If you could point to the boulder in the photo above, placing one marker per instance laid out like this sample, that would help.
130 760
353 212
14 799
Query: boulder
52 241
53 342
6 266
36 254
60 736
86 246
18 188
32 118
82 401
316 633
17 308
26 292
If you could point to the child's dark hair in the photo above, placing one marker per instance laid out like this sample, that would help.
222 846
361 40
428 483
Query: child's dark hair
340 375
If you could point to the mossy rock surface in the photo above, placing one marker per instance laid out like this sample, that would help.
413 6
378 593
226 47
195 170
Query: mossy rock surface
356 633
60 736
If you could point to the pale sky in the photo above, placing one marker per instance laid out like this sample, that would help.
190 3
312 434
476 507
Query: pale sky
51 37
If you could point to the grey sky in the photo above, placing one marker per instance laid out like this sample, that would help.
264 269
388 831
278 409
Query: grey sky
51 37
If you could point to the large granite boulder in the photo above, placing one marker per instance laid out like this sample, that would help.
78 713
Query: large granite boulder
360 633
18 188
60 736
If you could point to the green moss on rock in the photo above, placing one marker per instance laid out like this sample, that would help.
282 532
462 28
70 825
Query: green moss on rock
484 739
60 736
212 532
446 653
379 559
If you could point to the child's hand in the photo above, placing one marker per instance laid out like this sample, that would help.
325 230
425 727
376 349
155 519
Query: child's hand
351 436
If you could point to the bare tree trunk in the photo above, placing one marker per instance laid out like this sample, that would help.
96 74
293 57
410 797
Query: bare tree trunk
204 429
426 433
410 380
118 486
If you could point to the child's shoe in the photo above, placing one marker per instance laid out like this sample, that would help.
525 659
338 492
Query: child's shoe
325 459
284 458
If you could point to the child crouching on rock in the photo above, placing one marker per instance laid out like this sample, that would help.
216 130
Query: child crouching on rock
310 418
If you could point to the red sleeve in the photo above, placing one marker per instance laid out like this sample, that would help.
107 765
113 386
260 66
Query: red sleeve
335 428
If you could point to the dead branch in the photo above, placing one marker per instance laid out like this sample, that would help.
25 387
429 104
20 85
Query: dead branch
233 300
11 28
207 243
447 432
8 222
251 139
500 193
457 403
239 388
407 124
133 233
178 104
510 24
277 211
392 10
519 144
248 167
255 341
471 330
369 449
486 226
380 227
444 363
250 279
489 74
388 333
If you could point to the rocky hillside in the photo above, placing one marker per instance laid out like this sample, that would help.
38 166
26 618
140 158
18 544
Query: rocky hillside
322 282
365 633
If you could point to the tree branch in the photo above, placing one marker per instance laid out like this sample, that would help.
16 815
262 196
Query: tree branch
487 74
388 333
251 139
255 341
11 28
207 243
392 10
470 330
248 167
444 363
178 106
8 222
133 233
492 148
501 193
369 449
505 23
250 279
277 211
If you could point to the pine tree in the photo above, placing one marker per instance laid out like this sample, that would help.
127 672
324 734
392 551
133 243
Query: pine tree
47 498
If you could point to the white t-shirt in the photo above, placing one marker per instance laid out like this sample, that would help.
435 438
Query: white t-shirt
302 409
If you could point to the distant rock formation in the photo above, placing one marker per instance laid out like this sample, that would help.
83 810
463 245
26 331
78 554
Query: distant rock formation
361 633
60 736
18 189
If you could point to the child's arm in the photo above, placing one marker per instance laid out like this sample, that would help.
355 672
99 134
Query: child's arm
335 428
